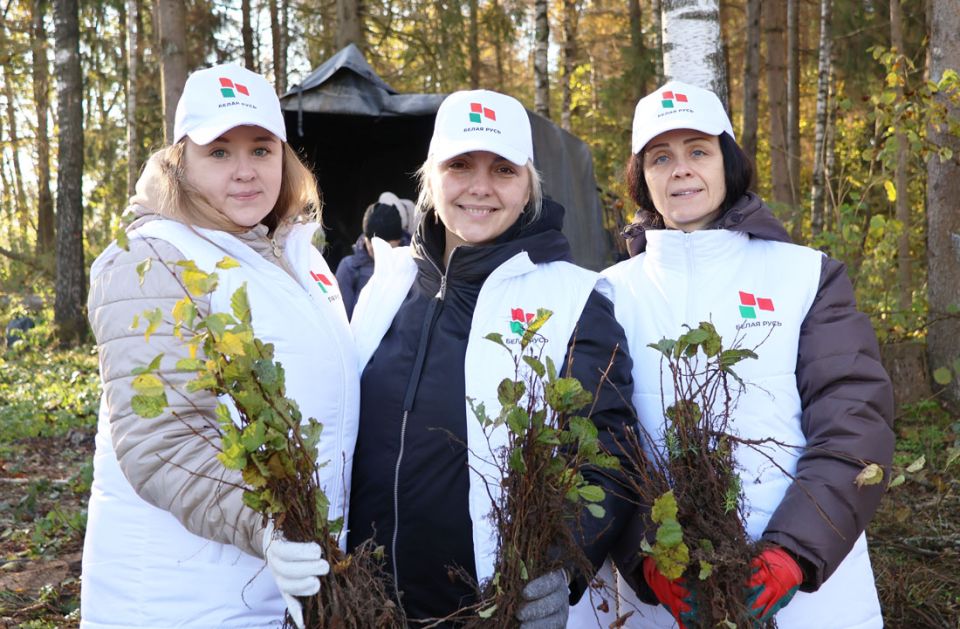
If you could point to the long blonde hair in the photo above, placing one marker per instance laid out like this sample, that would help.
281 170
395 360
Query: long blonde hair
177 199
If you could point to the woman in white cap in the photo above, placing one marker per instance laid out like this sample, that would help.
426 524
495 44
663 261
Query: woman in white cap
486 254
707 249
169 541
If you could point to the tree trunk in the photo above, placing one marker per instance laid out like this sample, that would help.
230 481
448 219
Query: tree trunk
20 195
277 45
656 10
349 24
171 17
133 71
820 149
498 31
571 11
246 35
774 18
904 271
637 66
692 47
943 219
474 46
541 68
284 42
71 286
41 96
751 83
793 117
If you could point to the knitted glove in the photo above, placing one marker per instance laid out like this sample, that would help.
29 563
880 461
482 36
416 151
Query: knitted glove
546 602
775 579
673 595
295 567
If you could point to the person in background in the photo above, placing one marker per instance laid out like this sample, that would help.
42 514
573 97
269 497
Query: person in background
380 220
488 251
707 249
169 541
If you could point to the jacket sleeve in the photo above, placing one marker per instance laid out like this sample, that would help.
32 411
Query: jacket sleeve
847 420
598 338
346 280
169 460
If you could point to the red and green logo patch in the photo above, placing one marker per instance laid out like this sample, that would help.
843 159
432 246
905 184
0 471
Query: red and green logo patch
749 304
668 97
322 281
229 89
519 320
477 110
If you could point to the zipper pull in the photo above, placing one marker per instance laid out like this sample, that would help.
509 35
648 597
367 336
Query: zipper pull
443 287
276 248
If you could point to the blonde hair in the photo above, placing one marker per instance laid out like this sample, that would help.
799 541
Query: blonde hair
426 198
176 199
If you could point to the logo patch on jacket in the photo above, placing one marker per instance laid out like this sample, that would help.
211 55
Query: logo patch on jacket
519 322
751 307
325 285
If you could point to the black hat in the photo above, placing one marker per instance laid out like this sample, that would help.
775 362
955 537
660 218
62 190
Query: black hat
383 221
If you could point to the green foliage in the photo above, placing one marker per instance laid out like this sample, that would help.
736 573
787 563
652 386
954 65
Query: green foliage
669 550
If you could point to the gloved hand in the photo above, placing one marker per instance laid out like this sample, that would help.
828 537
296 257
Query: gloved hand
546 602
776 577
295 567
673 595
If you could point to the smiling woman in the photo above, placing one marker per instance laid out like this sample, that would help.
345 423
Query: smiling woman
169 540
487 254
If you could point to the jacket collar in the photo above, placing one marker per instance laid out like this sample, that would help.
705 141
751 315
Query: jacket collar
748 215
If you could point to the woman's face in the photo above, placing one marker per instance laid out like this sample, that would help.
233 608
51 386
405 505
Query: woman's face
684 174
478 195
238 174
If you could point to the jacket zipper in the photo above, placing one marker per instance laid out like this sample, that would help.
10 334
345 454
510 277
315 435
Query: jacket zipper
408 399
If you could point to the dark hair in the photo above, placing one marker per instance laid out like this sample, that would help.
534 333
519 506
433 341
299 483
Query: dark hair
737 171
382 220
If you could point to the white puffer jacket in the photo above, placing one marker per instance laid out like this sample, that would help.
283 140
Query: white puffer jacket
169 541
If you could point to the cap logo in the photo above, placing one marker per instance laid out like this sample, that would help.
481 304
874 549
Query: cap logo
476 109
669 96
227 88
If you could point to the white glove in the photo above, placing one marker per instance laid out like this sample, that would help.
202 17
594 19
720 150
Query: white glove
546 602
295 567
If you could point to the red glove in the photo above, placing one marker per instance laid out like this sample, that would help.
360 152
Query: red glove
673 595
776 577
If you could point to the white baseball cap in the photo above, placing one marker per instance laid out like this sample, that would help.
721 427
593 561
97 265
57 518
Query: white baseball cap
678 105
481 120
217 99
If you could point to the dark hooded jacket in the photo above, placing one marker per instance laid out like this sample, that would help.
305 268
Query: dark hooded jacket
410 486
847 407
353 273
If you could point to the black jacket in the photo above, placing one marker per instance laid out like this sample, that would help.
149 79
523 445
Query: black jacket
410 476
353 273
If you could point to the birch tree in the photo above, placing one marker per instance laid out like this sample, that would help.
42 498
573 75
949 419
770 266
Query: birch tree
541 68
71 285
171 18
41 98
692 47
793 117
943 219
133 70
820 150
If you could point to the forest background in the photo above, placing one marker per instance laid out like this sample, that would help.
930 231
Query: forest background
850 109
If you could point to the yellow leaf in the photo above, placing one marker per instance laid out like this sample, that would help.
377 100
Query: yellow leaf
227 263
870 475
917 465
199 283
891 190
153 317
147 384
231 344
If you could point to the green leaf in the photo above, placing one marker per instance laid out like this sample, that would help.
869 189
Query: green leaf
670 533
184 312
190 364
253 436
148 406
154 318
153 366
205 381
592 493
536 365
706 569
147 384
518 421
952 455
596 510
240 305
498 339
198 282
524 575
510 391
487 612
664 508
899 480
515 461
664 346
227 263
143 268
942 376
551 370
122 238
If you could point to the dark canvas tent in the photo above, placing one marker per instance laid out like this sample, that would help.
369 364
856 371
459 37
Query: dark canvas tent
363 138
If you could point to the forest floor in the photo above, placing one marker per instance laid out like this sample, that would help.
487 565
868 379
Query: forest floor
47 424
